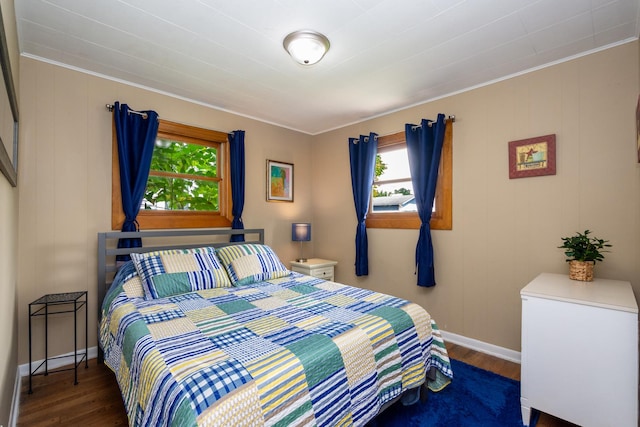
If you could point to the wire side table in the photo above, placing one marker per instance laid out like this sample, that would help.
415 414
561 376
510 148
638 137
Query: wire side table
50 304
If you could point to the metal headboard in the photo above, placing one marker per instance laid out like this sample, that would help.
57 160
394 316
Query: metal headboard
156 241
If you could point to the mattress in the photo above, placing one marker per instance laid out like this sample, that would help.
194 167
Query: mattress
290 351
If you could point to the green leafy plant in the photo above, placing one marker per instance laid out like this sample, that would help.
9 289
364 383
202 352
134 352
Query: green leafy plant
183 177
582 247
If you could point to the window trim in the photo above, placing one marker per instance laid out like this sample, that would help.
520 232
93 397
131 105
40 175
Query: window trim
442 218
153 219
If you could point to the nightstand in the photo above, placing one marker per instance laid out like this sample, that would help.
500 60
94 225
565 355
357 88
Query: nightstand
316 267
51 304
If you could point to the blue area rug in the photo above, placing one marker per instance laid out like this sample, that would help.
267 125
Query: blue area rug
475 398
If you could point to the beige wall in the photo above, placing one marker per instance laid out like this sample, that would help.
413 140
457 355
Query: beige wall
8 251
66 182
505 231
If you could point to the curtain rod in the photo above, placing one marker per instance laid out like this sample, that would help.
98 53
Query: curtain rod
452 119
140 113
365 139
110 108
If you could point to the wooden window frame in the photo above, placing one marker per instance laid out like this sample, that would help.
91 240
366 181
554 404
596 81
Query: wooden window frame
155 219
442 218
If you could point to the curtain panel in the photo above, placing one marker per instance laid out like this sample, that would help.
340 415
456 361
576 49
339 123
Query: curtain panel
136 133
237 169
424 147
362 156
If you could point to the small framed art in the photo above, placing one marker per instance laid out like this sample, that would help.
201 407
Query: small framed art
279 181
532 157
9 107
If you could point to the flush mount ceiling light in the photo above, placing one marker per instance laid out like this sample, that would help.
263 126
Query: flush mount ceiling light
305 46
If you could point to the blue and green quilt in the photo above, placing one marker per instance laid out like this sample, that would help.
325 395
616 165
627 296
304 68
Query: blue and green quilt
292 351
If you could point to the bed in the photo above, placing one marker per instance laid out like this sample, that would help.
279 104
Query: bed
215 333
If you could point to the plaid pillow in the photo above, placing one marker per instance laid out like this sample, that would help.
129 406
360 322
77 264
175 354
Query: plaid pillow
251 263
176 271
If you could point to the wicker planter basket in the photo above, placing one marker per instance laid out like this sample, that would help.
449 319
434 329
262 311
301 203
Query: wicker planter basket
581 270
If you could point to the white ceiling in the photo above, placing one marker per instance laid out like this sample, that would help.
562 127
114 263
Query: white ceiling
385 54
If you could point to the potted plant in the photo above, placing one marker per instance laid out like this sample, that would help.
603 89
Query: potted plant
582 252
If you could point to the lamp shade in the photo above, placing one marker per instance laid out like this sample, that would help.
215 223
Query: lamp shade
306 47
301 232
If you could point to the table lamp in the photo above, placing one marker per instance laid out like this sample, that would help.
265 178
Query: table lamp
301 232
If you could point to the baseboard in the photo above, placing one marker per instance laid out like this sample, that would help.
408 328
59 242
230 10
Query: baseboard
483 347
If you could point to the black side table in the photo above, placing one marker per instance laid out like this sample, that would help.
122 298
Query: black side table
50 304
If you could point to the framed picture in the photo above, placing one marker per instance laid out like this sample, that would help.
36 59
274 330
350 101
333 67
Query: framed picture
9 109
279 181
532 157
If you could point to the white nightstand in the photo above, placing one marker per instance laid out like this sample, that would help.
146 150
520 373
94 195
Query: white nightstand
316 267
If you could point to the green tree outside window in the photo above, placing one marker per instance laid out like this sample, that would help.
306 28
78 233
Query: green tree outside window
183 176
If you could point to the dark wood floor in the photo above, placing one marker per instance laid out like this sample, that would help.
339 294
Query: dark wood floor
96 400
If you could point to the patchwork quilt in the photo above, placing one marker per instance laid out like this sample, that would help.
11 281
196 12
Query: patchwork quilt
291 351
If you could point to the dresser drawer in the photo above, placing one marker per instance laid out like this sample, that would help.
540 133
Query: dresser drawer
325 273
316 267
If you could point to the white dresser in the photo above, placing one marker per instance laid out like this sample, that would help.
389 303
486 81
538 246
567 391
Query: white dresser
580 351
316 267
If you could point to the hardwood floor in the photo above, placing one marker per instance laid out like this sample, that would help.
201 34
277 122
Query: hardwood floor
96 400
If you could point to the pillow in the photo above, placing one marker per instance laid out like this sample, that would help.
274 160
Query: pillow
249 263
176 271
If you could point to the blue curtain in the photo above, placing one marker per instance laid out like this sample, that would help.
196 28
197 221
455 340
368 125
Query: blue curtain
362 155
236 149
424 147
136 134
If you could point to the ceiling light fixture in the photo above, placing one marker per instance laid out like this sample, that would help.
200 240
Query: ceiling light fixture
306 47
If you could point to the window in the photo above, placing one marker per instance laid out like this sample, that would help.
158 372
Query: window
393 188
188 185
391 204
